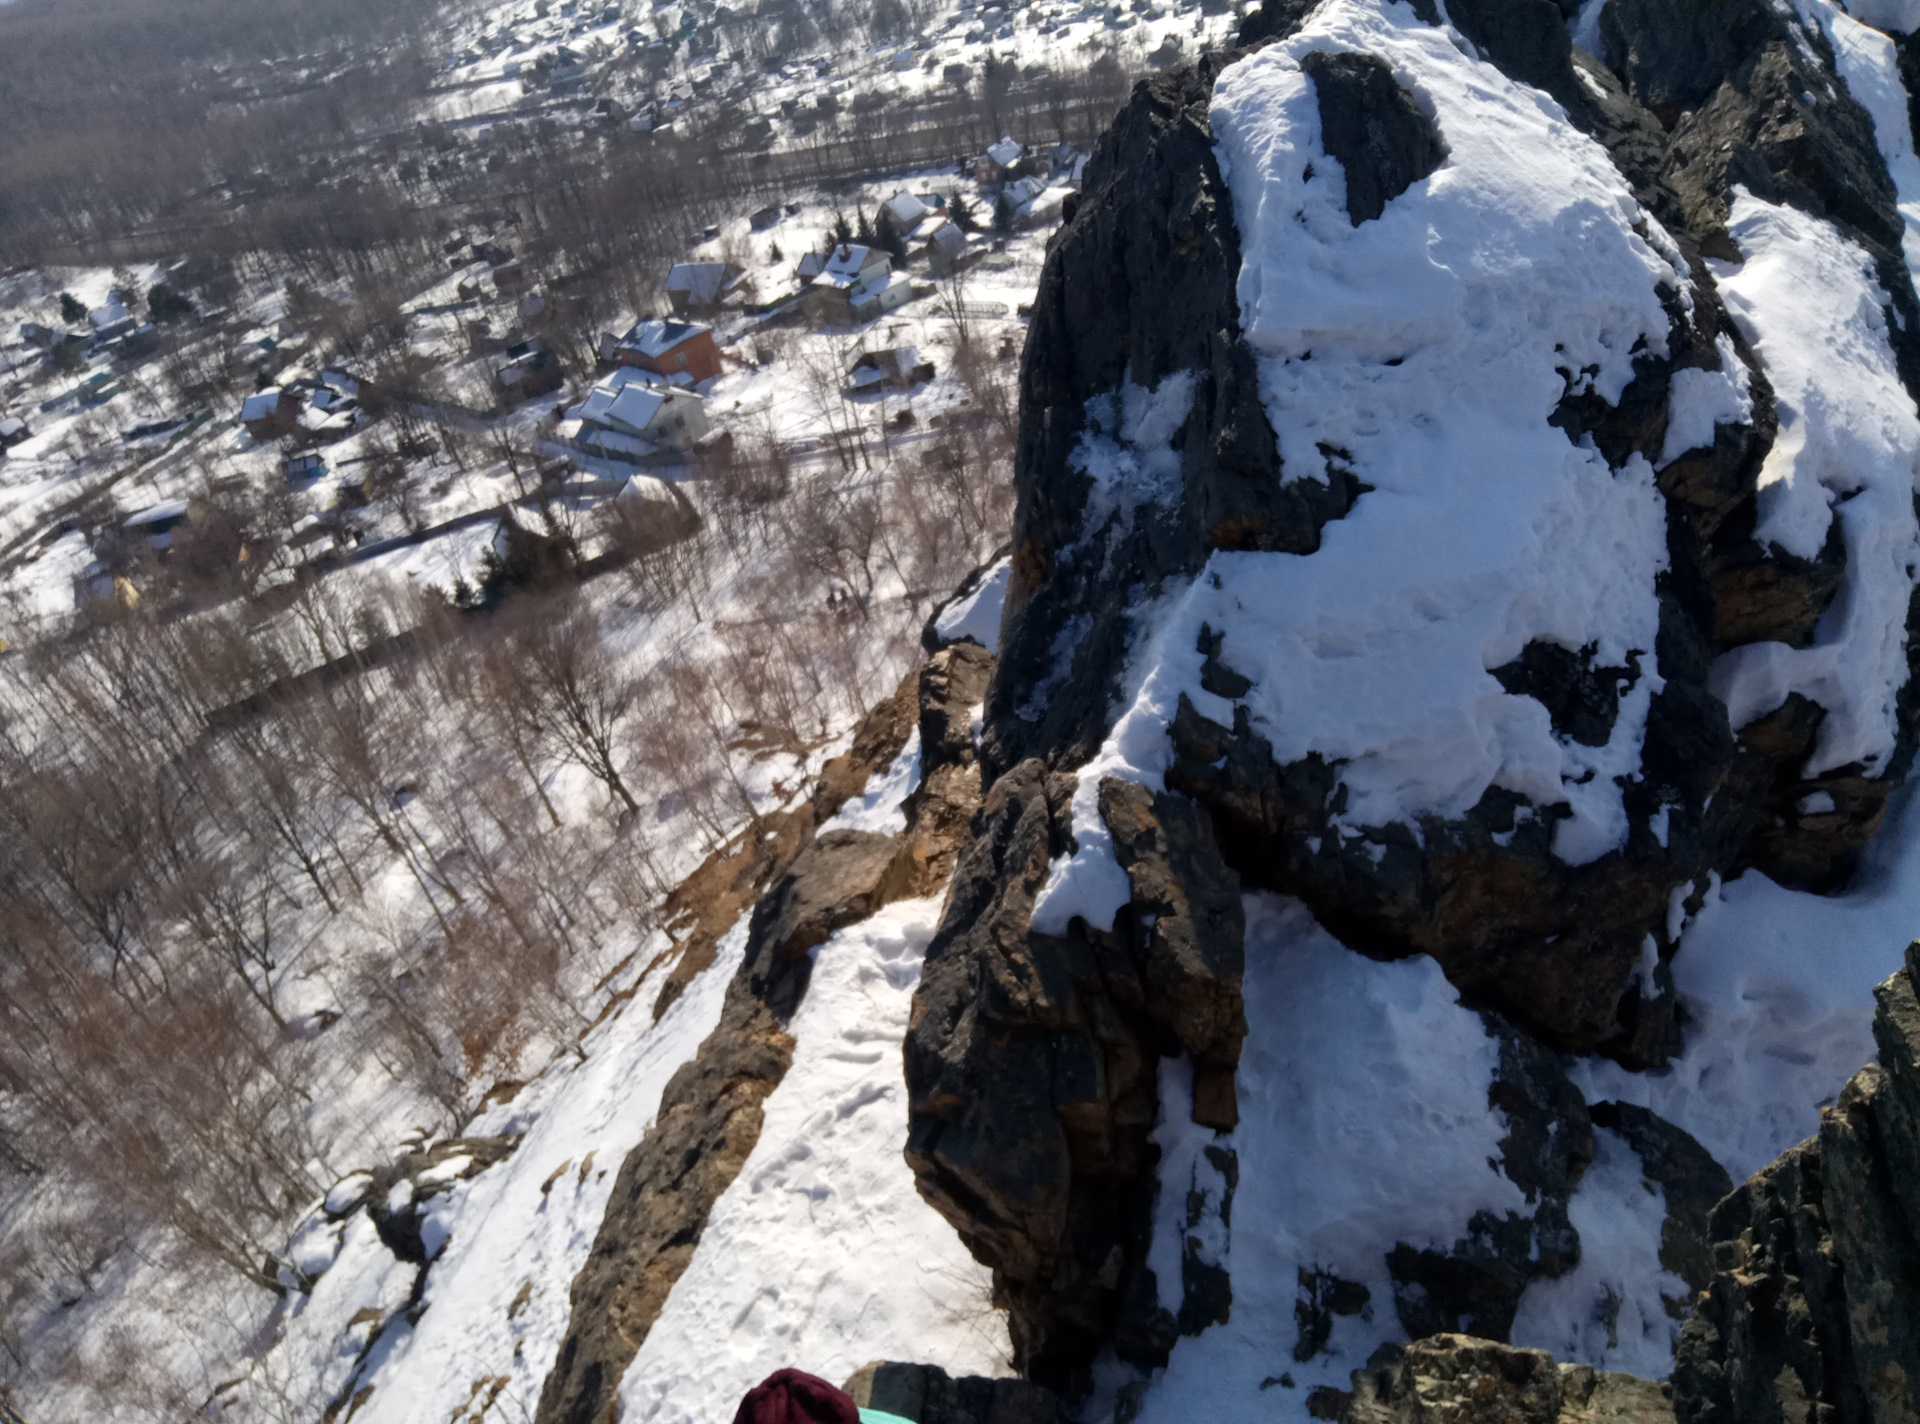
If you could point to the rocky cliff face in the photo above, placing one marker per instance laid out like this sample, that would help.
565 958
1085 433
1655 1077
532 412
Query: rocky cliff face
1813 1311
1484 602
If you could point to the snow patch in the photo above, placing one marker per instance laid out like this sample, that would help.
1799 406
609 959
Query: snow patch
1898 17
1700 400
1807 300
880 808
1364 1123
977 616
1778 987
822 1255
1127 448
498 1301
1610 1310
1425 349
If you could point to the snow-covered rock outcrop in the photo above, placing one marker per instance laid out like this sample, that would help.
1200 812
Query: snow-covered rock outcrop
1466 486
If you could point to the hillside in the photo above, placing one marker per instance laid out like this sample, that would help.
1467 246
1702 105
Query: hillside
724 691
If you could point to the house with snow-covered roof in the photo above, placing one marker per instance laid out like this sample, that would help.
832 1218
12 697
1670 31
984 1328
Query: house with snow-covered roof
949 252
110 319
904 212
271 414
627 417
855 284
899 367
157 523
673 349
698 288
993 166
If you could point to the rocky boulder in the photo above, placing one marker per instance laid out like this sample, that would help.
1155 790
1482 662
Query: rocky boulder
1457 1379
399 1194
927 1394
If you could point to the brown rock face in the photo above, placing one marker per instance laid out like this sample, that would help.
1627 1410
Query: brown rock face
708 1122
1457 1379
1032 1062
1813 1312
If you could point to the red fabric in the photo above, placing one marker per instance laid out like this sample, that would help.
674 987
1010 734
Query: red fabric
796 1397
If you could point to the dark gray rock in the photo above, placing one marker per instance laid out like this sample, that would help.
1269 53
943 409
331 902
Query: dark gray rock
1140 285
1323 1295
952 683
1583 700
1031 1065
1813 1311
837 880
1373 127
398 1218
1475 1285
927 1394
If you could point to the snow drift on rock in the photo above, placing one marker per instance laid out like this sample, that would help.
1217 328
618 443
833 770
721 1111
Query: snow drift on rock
1364 1123
1422 350
821 1254
1427 348
1849 440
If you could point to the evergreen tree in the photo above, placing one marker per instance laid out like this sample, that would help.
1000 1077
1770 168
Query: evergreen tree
889 239
71 311
166 303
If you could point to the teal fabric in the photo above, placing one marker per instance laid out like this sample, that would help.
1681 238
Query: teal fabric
875 1416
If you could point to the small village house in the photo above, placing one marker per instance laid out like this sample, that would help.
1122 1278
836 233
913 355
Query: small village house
949 252
530 370
12 431
157 523
992 167
651 513
110 320
271 414
904 212
303 469
855 285
628 418
699 288
673 349
890 368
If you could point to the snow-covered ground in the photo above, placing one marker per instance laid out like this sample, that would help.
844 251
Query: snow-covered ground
822 1255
